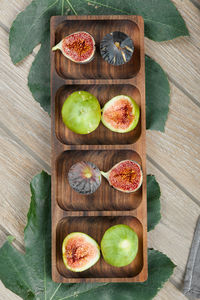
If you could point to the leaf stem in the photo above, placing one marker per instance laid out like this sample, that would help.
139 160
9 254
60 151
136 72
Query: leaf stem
62 7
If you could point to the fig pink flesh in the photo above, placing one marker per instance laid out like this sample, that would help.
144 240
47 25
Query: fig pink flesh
79 46
78 252
126 176
119 115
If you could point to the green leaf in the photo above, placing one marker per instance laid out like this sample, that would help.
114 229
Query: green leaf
153 202
39 76
31 27
157 95
29 275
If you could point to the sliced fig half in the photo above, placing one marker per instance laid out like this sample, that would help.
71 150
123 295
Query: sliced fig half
79 251
121 114
79 47
126 176
84 177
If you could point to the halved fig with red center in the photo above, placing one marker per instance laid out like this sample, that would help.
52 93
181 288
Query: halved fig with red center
79 47
126 176
79 251
84 177
120 114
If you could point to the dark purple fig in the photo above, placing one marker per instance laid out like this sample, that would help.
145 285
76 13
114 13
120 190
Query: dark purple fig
126 176
84 177
116 48
79 47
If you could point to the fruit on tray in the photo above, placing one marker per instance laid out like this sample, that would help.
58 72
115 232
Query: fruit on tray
81 112
116 48
121 114
126 176
80 251
84 177
79 47
119 245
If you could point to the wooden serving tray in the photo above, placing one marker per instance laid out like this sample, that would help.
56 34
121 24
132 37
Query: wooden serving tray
95 213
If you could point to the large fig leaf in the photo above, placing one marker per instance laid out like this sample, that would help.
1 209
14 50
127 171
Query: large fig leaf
29 275
162 20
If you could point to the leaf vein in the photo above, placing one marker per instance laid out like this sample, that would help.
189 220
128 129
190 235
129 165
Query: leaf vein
72 8
19 274
45 282
125 12
108 6
55 291
67 297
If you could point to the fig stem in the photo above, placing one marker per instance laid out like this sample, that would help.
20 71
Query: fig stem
105 174
56 47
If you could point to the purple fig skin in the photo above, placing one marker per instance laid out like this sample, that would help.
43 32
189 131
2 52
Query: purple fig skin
84 177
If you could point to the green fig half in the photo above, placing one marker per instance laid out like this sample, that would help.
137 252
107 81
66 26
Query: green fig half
121 114
79 251
126 176
78 47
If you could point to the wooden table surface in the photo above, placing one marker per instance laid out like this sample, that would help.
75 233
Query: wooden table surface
173 156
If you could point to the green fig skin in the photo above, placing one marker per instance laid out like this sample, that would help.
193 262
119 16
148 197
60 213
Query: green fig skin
80 242
111 105
81 112
119 245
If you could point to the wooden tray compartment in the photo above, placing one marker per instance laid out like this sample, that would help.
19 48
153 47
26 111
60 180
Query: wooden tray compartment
98 68
95 227
106 197
106 207
102 135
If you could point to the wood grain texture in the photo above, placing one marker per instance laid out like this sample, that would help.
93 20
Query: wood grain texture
18 106
175 231
177 150
101 147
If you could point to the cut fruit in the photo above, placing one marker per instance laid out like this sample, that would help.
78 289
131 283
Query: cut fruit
121 114
81 112
79 47
119 245
126 176
116 48
84 177
79 251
